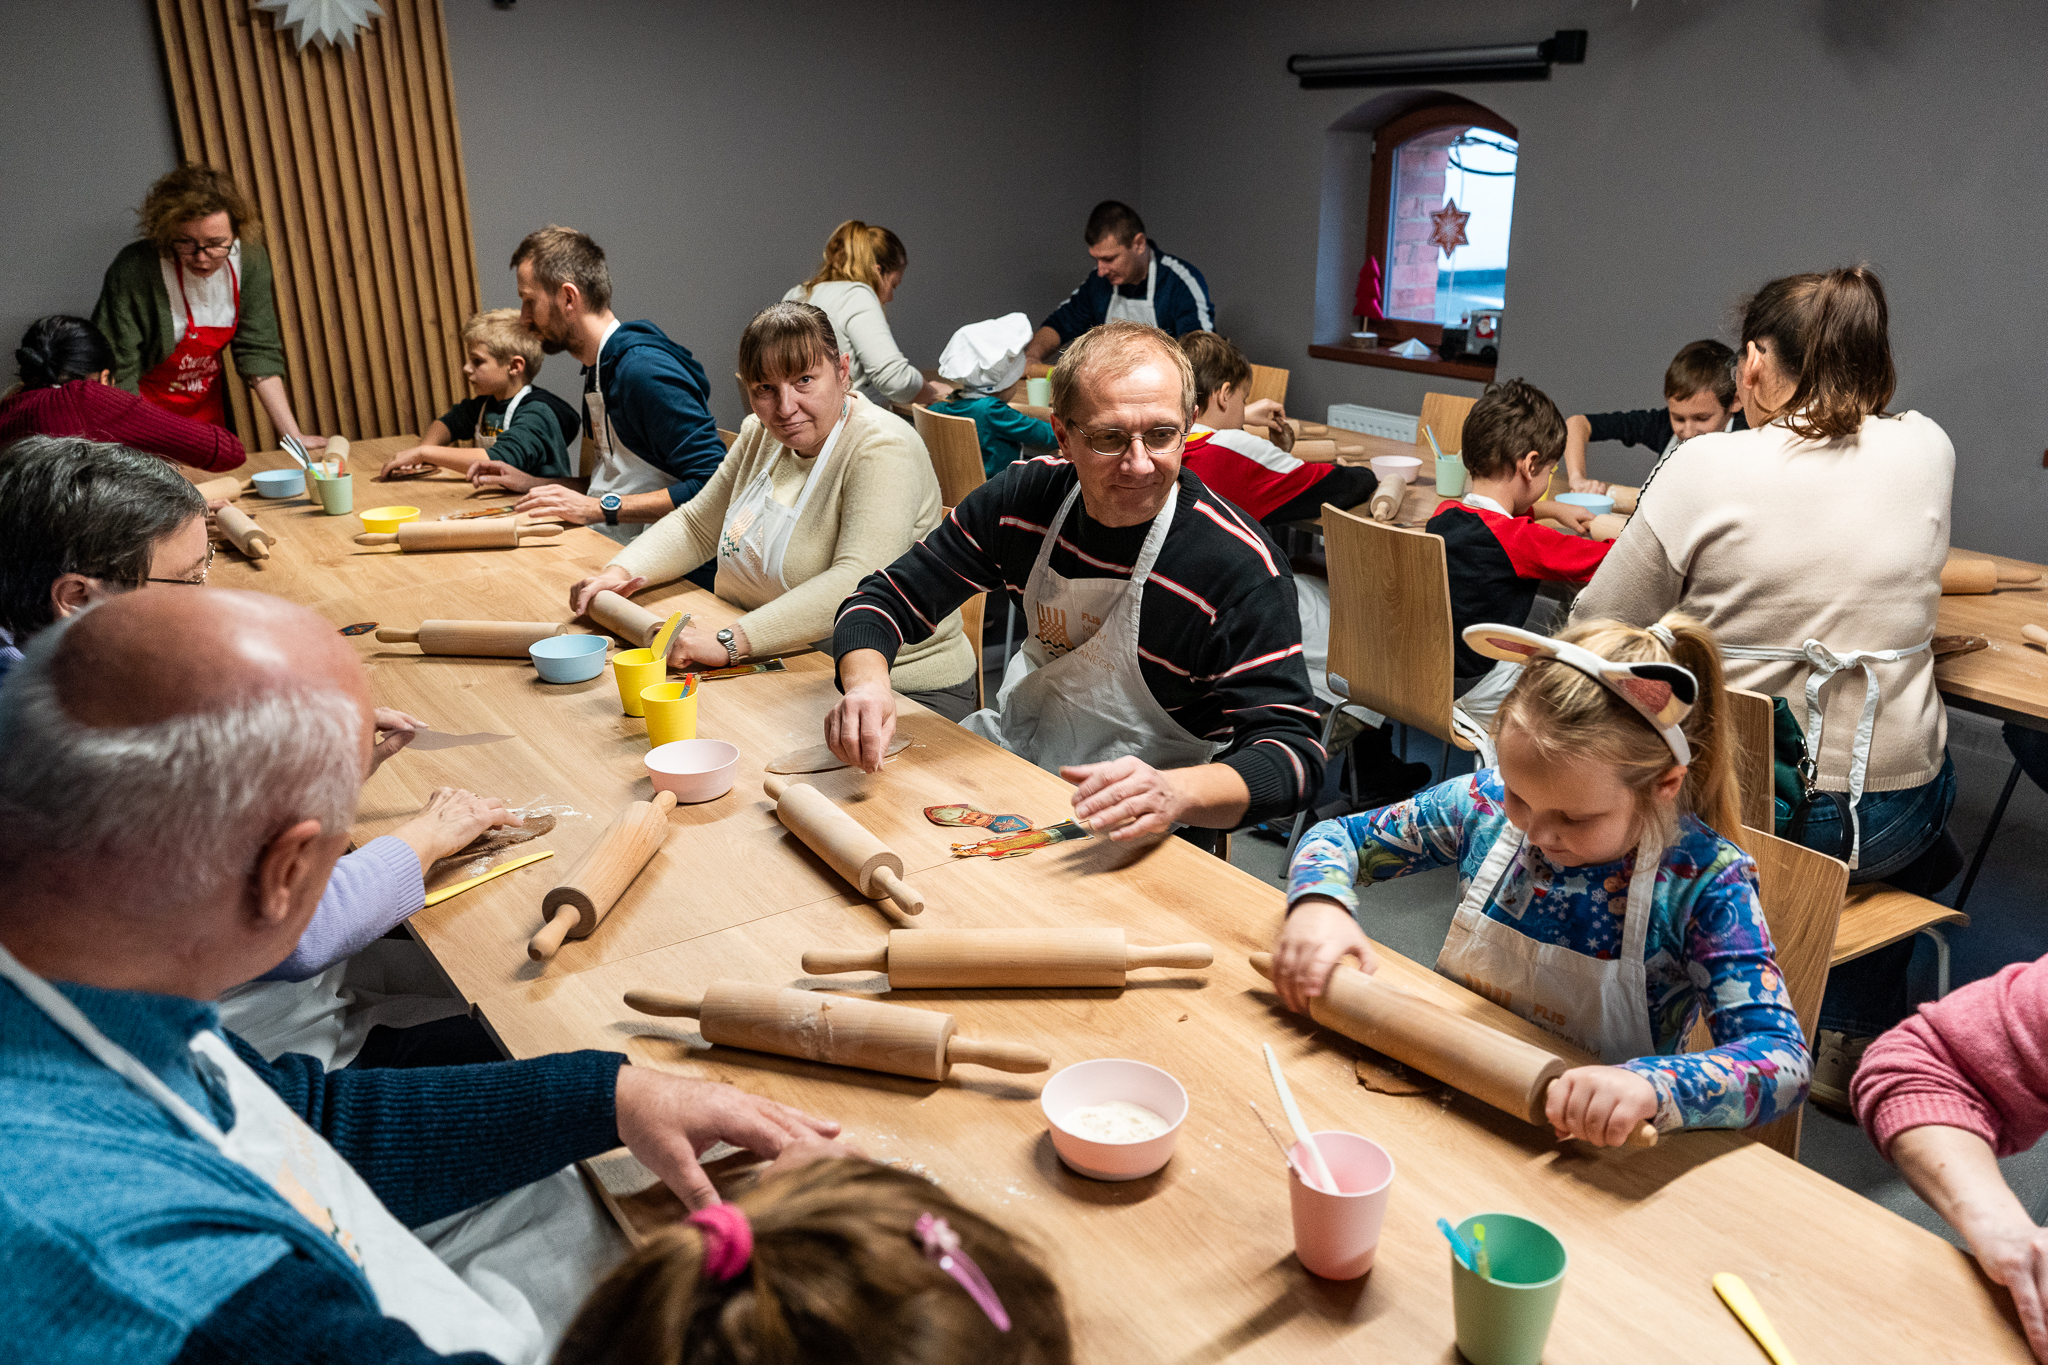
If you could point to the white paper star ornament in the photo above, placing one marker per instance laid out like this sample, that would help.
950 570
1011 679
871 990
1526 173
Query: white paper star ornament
327 22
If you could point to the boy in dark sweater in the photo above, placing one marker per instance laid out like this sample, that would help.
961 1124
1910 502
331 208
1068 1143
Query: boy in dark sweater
1699 397
507 418
1497 556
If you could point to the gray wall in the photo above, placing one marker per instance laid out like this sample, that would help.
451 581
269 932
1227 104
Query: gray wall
1702 149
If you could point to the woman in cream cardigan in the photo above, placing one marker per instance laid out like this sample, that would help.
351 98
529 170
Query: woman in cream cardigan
821 488
862 270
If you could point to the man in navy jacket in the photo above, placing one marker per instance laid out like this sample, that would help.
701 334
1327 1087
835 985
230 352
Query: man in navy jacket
1133 280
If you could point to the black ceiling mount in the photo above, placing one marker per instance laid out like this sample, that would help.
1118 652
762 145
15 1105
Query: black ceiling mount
1516 62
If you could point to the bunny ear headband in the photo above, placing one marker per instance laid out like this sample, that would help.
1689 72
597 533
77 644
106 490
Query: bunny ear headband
1662 694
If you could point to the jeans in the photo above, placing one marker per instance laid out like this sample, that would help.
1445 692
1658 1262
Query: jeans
1905 842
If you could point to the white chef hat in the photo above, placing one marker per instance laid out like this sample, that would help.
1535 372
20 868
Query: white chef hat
987 356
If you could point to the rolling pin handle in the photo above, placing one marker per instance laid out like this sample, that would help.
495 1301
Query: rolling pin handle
898 890
1262 963
394 636
1172 955
775 785
996 1054
259 548
2034 633
548 941
826 961
529 531
663 802
376 538
2011 577
1645 1135
667 1003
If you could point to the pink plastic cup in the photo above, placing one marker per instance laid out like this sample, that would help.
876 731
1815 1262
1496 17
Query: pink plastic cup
1337 1235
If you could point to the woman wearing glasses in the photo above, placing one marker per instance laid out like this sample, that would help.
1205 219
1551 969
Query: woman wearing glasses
173 301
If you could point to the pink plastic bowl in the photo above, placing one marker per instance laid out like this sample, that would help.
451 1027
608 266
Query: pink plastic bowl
694 769
1098 1082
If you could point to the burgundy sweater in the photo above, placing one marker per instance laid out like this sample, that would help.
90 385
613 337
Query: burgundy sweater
1977 1059
101 412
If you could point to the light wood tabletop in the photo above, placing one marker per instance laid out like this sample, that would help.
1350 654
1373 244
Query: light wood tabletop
2008 679
1193 1264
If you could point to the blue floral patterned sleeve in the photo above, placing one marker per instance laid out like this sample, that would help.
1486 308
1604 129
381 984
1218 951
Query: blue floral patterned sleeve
1707 950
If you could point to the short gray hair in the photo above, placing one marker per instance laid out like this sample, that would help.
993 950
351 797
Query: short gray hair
187 803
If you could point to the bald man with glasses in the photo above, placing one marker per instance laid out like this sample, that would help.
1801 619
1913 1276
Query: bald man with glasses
1163 672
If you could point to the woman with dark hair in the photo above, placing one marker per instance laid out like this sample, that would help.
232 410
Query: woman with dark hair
1812 544
821 488
197 282
861 272
67 389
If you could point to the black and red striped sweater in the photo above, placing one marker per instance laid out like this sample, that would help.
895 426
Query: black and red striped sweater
1219 638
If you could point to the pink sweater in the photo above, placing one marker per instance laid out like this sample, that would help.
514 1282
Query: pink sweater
1975 1060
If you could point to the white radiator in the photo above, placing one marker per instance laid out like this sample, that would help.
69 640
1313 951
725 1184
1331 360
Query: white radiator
1395 426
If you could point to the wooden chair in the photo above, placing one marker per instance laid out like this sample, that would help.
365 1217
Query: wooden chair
954 445
1749 713
1390 628
1443 414
1268 382
970 621
728 437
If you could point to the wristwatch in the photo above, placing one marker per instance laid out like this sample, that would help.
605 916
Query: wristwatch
732 650
610 503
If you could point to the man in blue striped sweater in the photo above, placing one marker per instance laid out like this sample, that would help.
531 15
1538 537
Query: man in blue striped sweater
1163 674
1134 281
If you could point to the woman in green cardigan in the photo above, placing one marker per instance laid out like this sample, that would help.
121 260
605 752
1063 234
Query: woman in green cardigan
173 301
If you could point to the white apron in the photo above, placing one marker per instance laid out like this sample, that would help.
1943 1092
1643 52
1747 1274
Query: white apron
487 434
616 469
273 1143
757 530
1823 663
1604 1007
1074 693
1136 310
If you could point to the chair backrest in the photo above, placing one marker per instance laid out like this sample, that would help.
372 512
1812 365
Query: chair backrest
1749 718
972 611
955 447
1444 414
728 437
1390 620
1268 382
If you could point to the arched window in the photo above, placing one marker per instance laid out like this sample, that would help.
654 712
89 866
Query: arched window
1443 198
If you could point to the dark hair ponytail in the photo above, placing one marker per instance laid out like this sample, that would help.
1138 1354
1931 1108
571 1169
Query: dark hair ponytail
60 348
1833 333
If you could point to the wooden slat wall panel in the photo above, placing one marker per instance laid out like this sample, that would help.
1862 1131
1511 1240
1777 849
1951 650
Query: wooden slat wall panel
354 159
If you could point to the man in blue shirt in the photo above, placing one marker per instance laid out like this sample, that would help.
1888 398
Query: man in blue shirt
1133 280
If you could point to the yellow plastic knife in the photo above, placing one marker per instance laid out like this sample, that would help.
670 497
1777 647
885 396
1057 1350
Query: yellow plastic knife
500 870
1750 1314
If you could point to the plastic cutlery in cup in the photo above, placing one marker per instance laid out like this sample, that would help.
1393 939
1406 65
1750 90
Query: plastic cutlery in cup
1458 1247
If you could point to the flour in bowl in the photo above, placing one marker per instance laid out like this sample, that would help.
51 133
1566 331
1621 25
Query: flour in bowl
1115 1121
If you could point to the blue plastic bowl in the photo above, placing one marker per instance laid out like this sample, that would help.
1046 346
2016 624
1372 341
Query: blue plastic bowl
569 658
1599 504
281 483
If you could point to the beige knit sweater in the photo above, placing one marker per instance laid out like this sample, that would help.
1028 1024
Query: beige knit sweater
1774 540
878 495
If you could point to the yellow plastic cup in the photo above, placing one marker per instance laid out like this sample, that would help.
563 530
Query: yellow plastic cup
636 670
671 716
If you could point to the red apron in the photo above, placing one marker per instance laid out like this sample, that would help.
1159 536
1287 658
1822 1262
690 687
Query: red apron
187 381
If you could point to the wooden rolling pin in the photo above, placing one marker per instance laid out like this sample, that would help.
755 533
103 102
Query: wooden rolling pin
478 639
2034 633
839 1029
228 486
920 958
1607 526
594 885
842 841
1967 576
458 535
1485 1063
626 619
251 539
1386 499
1624 498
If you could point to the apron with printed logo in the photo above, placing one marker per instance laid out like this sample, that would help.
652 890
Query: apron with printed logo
187 381
757 530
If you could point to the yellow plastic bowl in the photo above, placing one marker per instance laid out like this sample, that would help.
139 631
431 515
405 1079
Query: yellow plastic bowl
387 520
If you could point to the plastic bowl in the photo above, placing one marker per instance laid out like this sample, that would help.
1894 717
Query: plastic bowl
1396 466
281 483
568 658
1098 1082
1599 504
387 520
694 769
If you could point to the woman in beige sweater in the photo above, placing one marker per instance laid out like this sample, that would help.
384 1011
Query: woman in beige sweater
1812 544
820 489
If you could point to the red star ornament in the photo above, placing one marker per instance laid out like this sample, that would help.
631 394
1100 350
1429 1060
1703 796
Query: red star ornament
1449 232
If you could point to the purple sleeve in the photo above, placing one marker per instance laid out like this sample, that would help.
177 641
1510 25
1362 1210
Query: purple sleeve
372 891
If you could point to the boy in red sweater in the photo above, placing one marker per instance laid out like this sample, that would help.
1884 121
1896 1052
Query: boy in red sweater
1498 557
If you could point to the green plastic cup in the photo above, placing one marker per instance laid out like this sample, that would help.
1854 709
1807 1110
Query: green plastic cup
1506 1319
1450 476
337 495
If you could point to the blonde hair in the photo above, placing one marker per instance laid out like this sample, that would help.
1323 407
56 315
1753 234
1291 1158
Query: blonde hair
1112 350
1564 714
500 332
194 191
862 253
837 1274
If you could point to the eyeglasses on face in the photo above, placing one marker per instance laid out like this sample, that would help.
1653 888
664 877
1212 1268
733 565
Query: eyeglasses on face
204 569
185 246
1161 440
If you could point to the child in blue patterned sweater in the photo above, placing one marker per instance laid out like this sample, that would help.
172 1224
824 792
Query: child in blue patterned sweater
1597 899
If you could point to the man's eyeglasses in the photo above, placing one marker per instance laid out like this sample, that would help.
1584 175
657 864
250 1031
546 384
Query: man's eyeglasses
200 581
185 246
1110 441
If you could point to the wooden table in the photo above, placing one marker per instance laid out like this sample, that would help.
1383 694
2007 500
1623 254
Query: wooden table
2009 680
1193 1264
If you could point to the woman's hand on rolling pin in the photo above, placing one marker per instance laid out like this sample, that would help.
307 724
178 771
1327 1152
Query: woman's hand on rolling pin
610 578
1600 1104
395 730
498 474
694 648
450 819
1319 934
666 1120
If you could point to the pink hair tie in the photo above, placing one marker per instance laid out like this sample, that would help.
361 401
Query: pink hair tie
942 1248
728 1241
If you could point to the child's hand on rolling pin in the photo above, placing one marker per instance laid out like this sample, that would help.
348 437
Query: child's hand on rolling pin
611 578
1319 934
498 474
667 1120
395 730
1600 1104
450 819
